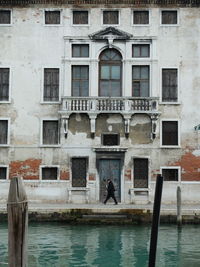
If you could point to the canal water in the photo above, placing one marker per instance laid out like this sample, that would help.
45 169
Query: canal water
62 245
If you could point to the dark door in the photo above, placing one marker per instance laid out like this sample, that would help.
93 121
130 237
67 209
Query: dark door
110 169
140 173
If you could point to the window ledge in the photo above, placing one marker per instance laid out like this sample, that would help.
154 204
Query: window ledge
50 102
169 103
5 25
169 25
5 102
52 25
140 25
80 25
50 146
78 189
6 145
170 146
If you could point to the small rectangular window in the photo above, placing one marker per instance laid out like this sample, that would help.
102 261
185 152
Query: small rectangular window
52 17
110 139
140 17
80 17
169 85
169 17
111 17
49 173
50 132
140 81
140 50
4 84
3 132
80 50
3 173
51 84
5 17
170 174
80 80
140 173
170 133
79 172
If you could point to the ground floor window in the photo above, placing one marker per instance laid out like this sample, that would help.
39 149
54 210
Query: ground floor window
3 173
49 173
79 172
3 132
140 172
170 174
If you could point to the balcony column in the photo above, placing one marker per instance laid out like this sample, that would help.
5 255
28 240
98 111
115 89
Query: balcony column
154 120
64 125
93 124
127 119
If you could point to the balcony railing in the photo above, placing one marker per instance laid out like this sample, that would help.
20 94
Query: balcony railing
109 104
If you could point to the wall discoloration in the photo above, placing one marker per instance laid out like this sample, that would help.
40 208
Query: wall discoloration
140 129
79 123
92 177
28 169
64 175
127 175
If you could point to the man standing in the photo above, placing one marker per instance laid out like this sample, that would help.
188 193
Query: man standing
110 191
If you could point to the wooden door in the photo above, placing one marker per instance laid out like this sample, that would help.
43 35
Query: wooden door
110 169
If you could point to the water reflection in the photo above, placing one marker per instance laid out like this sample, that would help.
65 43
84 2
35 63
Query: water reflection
61 245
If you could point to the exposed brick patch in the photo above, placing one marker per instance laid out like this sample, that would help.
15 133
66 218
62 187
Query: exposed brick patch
127 175
190 167
92 177
28 169
64 175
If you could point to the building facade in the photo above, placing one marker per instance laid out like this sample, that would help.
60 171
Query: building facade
91 90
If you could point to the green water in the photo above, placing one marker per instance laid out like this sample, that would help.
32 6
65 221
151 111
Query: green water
62 245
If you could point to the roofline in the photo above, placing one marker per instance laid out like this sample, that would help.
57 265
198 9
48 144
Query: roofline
94 3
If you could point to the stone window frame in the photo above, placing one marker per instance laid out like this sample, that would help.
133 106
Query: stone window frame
81 57
111 9
9 86
8 133
42 85
41 132
61 17
11 18
7 172
49 166
80 25
140 25
87 168
170 25
179 135
149 169
178 87
172 167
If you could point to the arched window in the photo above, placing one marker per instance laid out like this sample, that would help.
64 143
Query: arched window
110 73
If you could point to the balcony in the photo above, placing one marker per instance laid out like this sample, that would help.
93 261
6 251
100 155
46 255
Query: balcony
126 106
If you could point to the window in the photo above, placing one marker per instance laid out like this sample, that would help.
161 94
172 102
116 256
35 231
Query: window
80 50
111 17
169 85
5 17
110 67
49 173
140 81
3 132
51 84
79 172
110 139
140 17
140 173
52 17
170 133
170 174
3 173
80 17
169 17
4 84
140 50
50 132
80 80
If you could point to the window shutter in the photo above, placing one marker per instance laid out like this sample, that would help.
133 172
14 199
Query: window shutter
4 84
52 17
5 16
50 132
80 17
51 84
170 133
169 85
141 17
3 132
110 17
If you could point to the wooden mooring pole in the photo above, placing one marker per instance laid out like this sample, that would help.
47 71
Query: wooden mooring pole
155 221
179 213
17 207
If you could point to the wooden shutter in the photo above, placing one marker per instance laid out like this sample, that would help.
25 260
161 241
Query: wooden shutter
79 171
169 17
52 17
169 85
110 17
140 173
3 132
50 132
141 17
49 173
5 16
169 133
4 84
80 17
51 84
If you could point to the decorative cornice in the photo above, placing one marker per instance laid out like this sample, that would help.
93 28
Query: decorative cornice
93 3
110 33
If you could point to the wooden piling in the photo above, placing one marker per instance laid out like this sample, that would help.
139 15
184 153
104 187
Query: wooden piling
17 207
155 221
179 212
